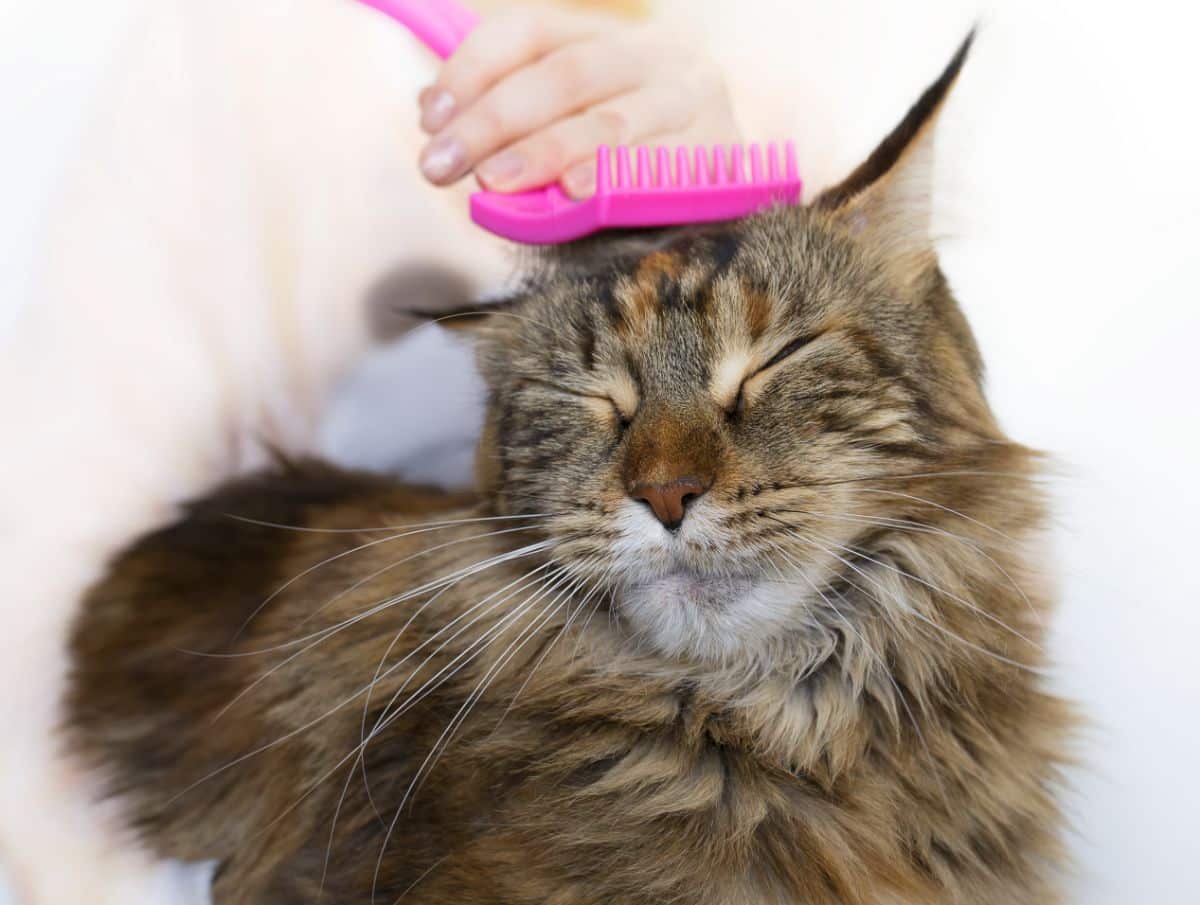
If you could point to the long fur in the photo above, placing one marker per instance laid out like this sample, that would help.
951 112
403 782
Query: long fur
824 687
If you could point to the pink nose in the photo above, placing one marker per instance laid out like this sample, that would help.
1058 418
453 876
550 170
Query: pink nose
669 501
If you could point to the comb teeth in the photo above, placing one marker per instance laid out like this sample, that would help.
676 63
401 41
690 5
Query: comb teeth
640 189
645 178
623 180
683 172
720 166
645 169
663 173
603 169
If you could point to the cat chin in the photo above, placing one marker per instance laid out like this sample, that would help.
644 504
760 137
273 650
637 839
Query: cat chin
683 598
711 618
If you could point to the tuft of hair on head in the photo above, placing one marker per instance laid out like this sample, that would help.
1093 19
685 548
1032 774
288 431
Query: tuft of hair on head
411 294
888 200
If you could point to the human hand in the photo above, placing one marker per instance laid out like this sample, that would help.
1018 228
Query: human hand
531 93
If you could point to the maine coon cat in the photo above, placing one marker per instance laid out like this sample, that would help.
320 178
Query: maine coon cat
740 611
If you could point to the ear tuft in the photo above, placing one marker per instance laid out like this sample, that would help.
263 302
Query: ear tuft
888 198
411 294
475 318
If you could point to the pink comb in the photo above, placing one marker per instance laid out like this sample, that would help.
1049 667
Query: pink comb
712 185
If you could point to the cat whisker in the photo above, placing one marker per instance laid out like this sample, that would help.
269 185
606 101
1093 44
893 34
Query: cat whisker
395 640
326 634
380 605
562 599
591 592
919 528
493 312
359 751
910 476
949 595
378 676
459 662
274 594
445 523
425 873
318 719
466 707
904 607
464 657
353 753
602 581
362 581
936 505
883 666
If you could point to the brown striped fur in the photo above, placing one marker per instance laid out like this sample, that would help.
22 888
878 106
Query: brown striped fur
823 688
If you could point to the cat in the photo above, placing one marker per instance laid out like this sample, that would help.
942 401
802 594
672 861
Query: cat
741 610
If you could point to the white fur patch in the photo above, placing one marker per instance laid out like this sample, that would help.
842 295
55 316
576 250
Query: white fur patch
688 594
728 375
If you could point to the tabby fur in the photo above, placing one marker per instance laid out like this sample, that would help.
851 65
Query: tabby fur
824 687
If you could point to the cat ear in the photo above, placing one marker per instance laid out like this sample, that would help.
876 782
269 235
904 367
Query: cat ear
887 200
474 319
412 295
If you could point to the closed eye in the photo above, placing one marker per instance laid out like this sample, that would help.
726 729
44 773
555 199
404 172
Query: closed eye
739 401
595 400
786 352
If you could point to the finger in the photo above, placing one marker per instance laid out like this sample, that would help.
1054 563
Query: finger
579 181
670 112
566 150
542 158
530 99
496 47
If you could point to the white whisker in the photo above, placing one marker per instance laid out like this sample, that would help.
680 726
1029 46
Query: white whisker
480 688
883 667
533 548
355 752
919 528
447 523
358 584
935 505
595 586
383 540
917 613
933 587
324 634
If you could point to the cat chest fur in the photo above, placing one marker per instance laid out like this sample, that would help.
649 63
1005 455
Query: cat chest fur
639 790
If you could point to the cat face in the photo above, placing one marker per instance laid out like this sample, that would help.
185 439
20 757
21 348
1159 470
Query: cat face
703 422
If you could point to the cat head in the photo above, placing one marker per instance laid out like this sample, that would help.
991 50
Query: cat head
709 422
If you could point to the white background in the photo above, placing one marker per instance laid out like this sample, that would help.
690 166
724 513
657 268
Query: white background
1072 212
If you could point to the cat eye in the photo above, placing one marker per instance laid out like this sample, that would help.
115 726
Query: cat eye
786 352
623 420
591 399
738 405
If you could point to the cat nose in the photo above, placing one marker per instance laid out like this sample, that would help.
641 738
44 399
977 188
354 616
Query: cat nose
669 501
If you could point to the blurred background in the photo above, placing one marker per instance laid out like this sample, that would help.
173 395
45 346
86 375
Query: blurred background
168 166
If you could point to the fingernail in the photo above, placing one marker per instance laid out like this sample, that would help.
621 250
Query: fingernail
443 159
501 169
580 182
437 108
